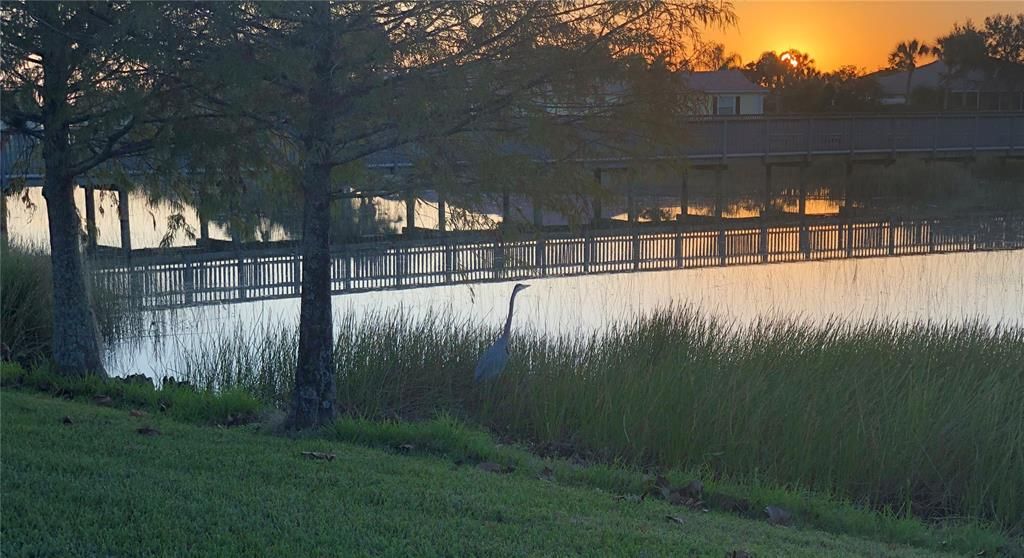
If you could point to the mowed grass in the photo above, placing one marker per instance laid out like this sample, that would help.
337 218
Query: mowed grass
97 487
921 420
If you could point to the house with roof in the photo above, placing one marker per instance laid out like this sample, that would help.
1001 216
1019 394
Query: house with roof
725 93
974 89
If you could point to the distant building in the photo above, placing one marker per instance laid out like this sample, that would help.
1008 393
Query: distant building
726 93
975 90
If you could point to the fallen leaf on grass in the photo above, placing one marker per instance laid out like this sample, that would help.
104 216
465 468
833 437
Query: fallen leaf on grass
318 455
546 474
137 413
103 400
67 420
406 448
492 467
777 515
676 519
148 431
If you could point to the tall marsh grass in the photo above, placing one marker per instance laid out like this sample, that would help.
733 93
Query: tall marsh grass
925 419
26 305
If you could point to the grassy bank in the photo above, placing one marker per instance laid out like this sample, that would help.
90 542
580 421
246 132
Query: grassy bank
215 491
921 420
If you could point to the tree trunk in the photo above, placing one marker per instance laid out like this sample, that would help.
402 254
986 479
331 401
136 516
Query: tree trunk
76 340
314 395
313 399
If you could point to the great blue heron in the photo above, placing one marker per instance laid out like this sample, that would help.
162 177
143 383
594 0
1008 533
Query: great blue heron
492 362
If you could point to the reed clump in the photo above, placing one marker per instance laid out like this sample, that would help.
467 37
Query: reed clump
924 419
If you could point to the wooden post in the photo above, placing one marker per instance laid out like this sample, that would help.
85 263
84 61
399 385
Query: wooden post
497 270
805 247
596 202
767 189
90 218
892 237
449 261
539 259
630 205
410 212
719 198
679 249
684 197
847 186
763 242
297 274
442 213
588 250
722 246
242 279
188 282
720 214
122 214
849 238
636 249
401 265
506 207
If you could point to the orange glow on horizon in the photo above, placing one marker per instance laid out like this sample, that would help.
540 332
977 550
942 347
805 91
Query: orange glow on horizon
837 33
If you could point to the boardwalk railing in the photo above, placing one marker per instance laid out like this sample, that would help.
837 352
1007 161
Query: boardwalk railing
210 278
925 135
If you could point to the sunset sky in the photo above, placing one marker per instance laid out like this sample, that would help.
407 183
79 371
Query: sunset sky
837 32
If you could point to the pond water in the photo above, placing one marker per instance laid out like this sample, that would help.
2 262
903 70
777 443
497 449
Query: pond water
984 286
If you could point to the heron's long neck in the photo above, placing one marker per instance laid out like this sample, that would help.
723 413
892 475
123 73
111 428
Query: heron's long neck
508 321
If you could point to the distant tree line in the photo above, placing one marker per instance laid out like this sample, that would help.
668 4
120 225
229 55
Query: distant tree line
795 85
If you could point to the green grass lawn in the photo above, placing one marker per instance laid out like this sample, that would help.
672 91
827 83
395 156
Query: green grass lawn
97 487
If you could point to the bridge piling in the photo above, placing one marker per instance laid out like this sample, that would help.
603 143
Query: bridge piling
410 211
442 213
123 218
684 196
90 218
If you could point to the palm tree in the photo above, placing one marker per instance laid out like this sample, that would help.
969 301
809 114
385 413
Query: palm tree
715 58
904 57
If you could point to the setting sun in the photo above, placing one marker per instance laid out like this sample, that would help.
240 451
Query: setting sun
787 57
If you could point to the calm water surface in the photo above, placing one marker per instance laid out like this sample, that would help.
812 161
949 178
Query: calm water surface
987 287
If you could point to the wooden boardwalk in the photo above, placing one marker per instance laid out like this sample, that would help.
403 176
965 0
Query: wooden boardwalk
198 278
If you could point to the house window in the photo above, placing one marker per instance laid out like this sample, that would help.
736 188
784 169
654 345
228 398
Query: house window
726 105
